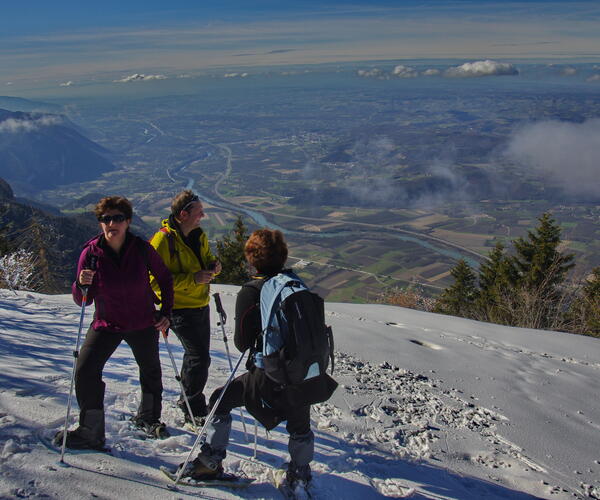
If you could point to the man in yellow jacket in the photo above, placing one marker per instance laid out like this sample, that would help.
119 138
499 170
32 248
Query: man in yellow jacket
184 248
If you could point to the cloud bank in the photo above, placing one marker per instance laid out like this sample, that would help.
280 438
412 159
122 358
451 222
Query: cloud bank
467 70
565 153
399 71
140 77
481 68
16 125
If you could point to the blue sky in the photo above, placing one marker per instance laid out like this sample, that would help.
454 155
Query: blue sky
59 41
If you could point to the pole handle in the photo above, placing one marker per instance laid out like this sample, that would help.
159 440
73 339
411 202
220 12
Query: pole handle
220 309
93 266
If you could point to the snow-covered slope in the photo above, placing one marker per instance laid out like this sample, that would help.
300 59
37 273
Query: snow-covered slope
428 407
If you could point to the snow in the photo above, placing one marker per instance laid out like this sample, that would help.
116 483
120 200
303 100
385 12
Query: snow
428 407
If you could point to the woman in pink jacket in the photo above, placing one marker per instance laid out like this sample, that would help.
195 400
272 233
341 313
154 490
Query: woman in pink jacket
114 268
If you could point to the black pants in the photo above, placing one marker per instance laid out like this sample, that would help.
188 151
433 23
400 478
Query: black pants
98 347
192 327
297 419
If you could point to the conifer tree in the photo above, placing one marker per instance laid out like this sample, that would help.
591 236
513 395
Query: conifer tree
459 298
538 260
496 277
230 252
541 270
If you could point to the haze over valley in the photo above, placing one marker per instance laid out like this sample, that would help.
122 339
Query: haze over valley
377 182
381 170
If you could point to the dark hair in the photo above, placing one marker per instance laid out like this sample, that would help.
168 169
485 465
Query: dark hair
182 200
266 250
119 203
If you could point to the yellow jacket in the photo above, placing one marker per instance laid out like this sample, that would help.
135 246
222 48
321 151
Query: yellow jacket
183 264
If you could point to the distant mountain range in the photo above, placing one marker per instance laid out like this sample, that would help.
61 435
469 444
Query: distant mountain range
34 226
20 104
43 150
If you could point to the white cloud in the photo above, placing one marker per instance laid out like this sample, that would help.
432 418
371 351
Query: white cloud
235 75
295 72
565 153
15 125
140 77
569 71
402 71
372 73
399 71
67 84
431 72
481 68
593 78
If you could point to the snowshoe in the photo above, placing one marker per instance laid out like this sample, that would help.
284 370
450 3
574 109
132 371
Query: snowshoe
204 466
199 416
293 482
222 479
153 430
89 435
198 422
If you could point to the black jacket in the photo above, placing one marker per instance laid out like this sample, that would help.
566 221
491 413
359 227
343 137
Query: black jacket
268 401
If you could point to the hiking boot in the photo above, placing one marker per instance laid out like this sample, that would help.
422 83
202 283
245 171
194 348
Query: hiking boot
198 420
298 475
199 413
89 435
79 439
154 430
203 467
158 430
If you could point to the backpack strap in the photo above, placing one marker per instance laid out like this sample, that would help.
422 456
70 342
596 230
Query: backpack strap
329 332
256 284
273 288
172 248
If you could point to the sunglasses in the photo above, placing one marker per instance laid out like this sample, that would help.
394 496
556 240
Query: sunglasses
193 199
107 219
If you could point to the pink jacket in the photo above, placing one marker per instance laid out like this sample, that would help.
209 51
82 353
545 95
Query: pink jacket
121 288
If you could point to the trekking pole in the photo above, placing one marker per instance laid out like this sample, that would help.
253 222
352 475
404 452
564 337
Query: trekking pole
255 439
93 260
209 419
223 317
178 378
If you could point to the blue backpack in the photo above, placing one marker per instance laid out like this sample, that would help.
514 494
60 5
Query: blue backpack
297 344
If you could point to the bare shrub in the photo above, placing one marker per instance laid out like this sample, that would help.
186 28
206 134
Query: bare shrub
411 297
17 270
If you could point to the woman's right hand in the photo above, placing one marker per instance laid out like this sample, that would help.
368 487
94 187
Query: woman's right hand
86 276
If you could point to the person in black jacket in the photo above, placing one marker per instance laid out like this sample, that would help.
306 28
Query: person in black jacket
267 251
